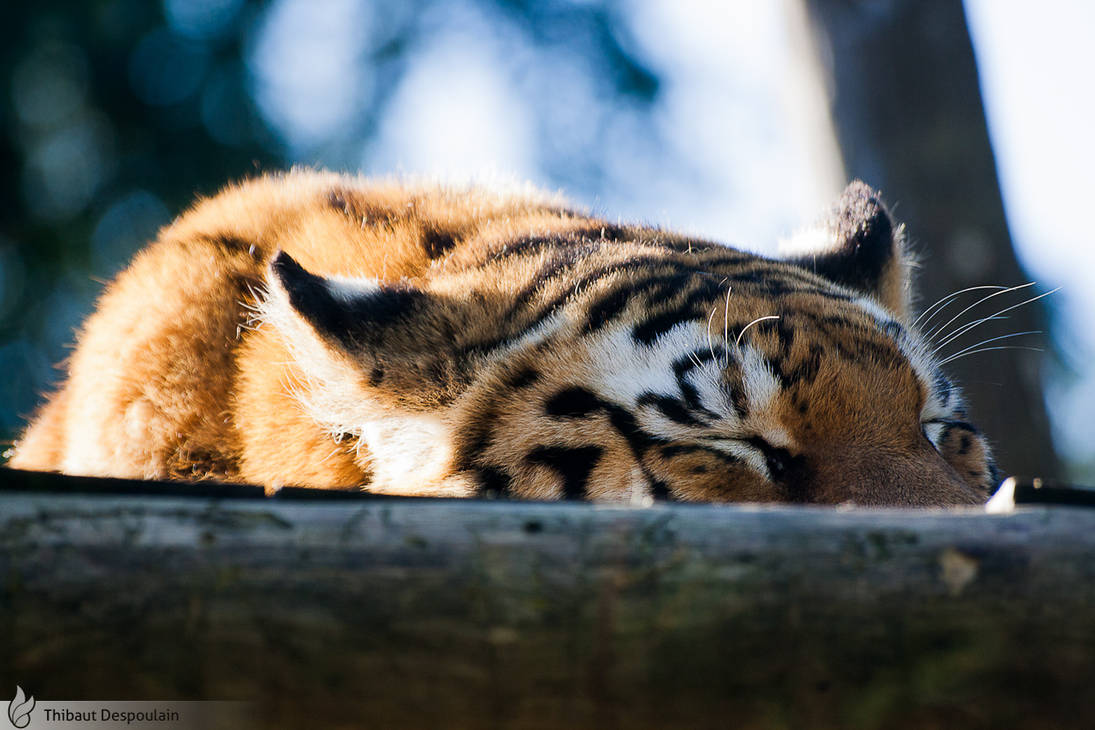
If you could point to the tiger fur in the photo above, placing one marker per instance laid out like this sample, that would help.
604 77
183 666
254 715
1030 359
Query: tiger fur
323 330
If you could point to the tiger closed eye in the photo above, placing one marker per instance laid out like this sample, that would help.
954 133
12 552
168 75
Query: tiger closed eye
778 464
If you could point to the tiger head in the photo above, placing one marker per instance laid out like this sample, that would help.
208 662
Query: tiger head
629 364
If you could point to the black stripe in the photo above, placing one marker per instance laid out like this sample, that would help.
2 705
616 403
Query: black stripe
358 207
681 368
561 262
493 482
648 331
579 402
738 397
671 408
778 281
560 265
530 245
949 423
573 403
655 288
695 306
233 243
672 450
658 489
437 243
784 468
523 378
624 421
607 308
577 237
574 465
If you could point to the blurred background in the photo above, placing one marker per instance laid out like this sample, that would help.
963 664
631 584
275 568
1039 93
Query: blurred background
736 121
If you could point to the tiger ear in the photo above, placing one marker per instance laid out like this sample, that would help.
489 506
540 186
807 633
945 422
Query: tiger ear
352 333
858 246
355 313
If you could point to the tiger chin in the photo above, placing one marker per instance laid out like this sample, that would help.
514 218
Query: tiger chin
321 330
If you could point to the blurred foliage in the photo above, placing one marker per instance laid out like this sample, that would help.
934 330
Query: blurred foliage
117 112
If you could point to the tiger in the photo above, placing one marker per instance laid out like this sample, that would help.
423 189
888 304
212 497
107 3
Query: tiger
318 329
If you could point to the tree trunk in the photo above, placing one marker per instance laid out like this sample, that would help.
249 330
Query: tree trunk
906 107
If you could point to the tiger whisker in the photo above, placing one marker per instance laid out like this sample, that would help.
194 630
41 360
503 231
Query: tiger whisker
758 319
986 349
966 328
952 336
991 339
948 298
938 330
726 326
710 318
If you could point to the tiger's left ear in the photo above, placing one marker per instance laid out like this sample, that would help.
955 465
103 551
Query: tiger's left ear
858 246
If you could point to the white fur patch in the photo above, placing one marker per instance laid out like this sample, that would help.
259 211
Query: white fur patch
408 451
934 431
623 369
750 455
760 383
876 310
817 240
351 288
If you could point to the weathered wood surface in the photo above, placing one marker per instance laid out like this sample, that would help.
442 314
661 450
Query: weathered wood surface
434 613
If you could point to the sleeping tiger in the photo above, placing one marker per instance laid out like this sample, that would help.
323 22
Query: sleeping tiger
323 330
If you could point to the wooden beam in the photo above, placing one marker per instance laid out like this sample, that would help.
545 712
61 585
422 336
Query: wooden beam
463 613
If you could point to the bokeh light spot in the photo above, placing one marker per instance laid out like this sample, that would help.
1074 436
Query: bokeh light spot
306 65
130 222
201 19
49 85
64 169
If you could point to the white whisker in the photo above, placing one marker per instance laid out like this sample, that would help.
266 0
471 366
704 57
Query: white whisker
952 336
966 328
710 347
758 319
986 349
948 323
948 298
991 339
726 326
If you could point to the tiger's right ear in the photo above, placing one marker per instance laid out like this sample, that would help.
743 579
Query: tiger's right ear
355 313
379 335
858 246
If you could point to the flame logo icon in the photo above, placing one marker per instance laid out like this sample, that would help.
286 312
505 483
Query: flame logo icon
20 708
